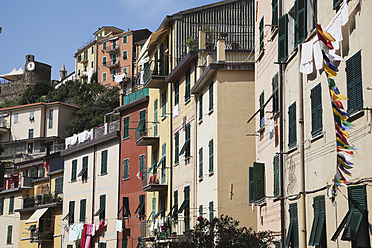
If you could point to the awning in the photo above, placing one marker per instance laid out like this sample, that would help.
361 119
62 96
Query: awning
36 216
159 213
81 173
13 75
183 149
155 37
263 106
183 206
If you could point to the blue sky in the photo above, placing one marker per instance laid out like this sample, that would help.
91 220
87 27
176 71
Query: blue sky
52 30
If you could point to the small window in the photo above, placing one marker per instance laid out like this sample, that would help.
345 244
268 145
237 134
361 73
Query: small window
201 162
71 212
125 55
104 162
83 209
92 51
11 204
125 39
15 118
201 107
59 185
31 133
74 170
50 118
300 23
336 3
9 235
142 163
292 132
211 214
104 77
211 96
104 46
187 85
275 92
262 109
262 34
126 211
188 140
126 169
316 110
32 115
164 103
104 60
176 147
126 127
176 92
114 44
201 210
274 14
354 83
2 205
156 118
276 176
283 38
210 146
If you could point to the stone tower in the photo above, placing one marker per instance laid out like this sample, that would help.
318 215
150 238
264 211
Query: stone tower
36 71
62 73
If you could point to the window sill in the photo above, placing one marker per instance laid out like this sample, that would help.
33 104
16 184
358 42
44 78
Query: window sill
103 174
187 101
211 173
356 115
200 121
210 111
176 164
292 149
200 180
125 138
317 136
163 118
125 179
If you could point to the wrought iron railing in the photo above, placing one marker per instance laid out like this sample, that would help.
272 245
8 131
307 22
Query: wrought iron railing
156 174
135 95
156 67
112 48
43 199
111 63
146 129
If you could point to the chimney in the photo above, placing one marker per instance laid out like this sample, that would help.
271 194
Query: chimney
201 39
221 53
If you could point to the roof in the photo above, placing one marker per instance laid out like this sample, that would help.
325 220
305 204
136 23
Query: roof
13 75
36 105
107 27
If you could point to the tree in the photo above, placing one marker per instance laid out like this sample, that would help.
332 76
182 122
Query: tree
33 93
224 232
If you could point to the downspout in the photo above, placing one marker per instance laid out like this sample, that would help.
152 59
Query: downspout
195 138
94 181
44 121
281 141
119 180
302 155
171 148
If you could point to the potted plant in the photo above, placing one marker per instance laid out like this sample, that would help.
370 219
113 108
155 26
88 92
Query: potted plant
191 43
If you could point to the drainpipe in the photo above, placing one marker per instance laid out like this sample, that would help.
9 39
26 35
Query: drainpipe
171 148
195 138
119 186
303 242
281 134
94 181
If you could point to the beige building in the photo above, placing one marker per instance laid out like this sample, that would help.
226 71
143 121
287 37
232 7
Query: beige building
323 216
33 130
90 192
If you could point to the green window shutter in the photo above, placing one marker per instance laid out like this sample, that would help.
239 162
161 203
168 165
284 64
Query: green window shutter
104 162
164 103
163 164
126 127
71 212
102 205
336 3
262 34
104 46
201 162
85 167
262 109
275 91
187 85
210 146
188 140
211 215
125 55
186 212
58 188
251 185
83 209
294 222
292 126
142 116
126 168
176 92
354 82
211 96
357 196
153 207
156 118
201 107
11 204
259 180
320 236
175 199
316 110
74 170
274 14
126 210
9 235
315 8
201 210
176 147
1 205
283 38
124 39
300 21
276 176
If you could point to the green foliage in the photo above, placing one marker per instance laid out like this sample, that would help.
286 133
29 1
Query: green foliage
35 92
9 103
224 232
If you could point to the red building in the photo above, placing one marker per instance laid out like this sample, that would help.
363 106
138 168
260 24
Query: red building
132 201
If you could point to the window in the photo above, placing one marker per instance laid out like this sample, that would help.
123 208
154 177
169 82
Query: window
175 206
32 115
201 107
262 109
84 170
15 118
163 204
176 92
83 209
210 146
142 123
318 229
211 96
79 58
292 234
50 118
104 77
256 182
201 162
153 210
9 235
71 212
283 38
104 60
126 169
58 185
113 44
163 164
92 51
316 110
141 207
1 205
176 147
11 204
355 222
124 39
102 207
104 46
164 103
142 163
156 117
186 193
126 211
300 22
275 93
201 210
354 83
70 246
101 245
31 133
126 127
292 126
276 176
274 14
262 34
125 55
92 64
74 170
125 70
104 162
211 216
315 8
187 140
187 85
114 58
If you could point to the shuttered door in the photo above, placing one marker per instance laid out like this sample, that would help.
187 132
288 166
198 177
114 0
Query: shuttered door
259 180
354 83
283 38
292 125
316 110
276 175
83 207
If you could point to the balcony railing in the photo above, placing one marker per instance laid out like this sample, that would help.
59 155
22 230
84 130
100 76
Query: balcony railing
38 236
39 200
4 124
155 72
111 64
147 133
37 151
112 48
135 95
112 127
155 178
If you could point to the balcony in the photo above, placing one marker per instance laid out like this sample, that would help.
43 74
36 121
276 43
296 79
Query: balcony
111 64
135 95
38 236
154 74
147 134
84 60
111 49
155 178
42 199
4 127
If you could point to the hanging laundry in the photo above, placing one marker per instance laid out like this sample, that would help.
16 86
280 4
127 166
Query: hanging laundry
306 66
318 57
331 73
334 28
73 233
325 42
329 63
119 226
344 13
324 34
